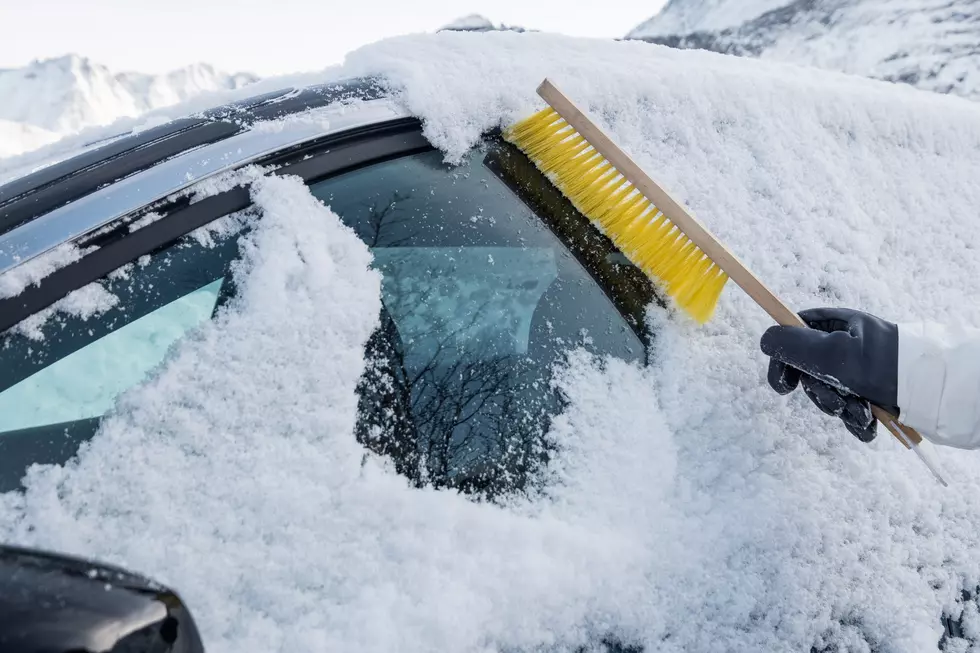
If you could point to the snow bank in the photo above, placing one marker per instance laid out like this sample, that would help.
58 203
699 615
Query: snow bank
690 509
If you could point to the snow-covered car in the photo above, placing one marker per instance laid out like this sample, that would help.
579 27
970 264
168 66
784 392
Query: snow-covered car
489 278
306 295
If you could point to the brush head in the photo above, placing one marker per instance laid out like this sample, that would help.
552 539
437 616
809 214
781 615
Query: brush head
620 211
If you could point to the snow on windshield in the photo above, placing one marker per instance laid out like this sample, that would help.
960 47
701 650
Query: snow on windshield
689 508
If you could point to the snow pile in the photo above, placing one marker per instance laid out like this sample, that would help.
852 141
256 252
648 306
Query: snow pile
930 44
689 509
56 97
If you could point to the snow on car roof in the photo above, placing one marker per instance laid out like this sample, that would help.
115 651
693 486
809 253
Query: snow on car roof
689 509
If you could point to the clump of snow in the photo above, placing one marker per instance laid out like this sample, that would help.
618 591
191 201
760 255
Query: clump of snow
220 183
688 507
210 234
86 302
32 272
144 220
319 117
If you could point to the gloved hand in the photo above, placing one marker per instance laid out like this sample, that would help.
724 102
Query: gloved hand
847 361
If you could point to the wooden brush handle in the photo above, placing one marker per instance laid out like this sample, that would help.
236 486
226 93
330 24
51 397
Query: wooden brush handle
706 241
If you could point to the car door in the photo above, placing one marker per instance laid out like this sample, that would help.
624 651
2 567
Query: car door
489 278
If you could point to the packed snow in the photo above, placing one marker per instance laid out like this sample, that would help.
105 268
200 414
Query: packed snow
688 508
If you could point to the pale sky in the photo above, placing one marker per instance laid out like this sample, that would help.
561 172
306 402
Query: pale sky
269 36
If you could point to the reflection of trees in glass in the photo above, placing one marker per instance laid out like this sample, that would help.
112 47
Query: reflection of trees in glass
382 219
461 417
454 406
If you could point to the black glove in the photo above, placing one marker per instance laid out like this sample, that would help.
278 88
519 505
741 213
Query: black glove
847 361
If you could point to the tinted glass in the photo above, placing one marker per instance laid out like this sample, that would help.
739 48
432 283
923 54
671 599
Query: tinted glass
481 301
58 380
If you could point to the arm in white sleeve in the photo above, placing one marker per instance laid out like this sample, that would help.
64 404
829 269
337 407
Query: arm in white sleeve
939 383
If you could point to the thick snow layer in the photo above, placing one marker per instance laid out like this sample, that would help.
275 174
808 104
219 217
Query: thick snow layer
308 542
689 508
837 191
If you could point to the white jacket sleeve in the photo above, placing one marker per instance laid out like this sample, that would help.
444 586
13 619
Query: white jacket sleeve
939 383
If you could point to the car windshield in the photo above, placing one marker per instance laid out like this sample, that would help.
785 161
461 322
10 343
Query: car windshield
481 301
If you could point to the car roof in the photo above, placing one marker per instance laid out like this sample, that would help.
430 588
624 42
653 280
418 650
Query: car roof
60 202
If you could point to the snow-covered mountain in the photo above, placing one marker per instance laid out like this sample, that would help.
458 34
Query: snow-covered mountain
930 44
18 137
685 16
51 98
478 23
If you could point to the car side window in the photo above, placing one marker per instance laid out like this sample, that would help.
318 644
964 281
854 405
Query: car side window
482 297
489 278
62 370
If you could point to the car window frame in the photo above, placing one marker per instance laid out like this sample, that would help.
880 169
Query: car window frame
116 246
314 161
335 154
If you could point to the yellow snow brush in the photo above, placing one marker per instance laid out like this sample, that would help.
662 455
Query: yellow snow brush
655 231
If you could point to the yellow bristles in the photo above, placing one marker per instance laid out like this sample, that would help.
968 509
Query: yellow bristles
644 234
